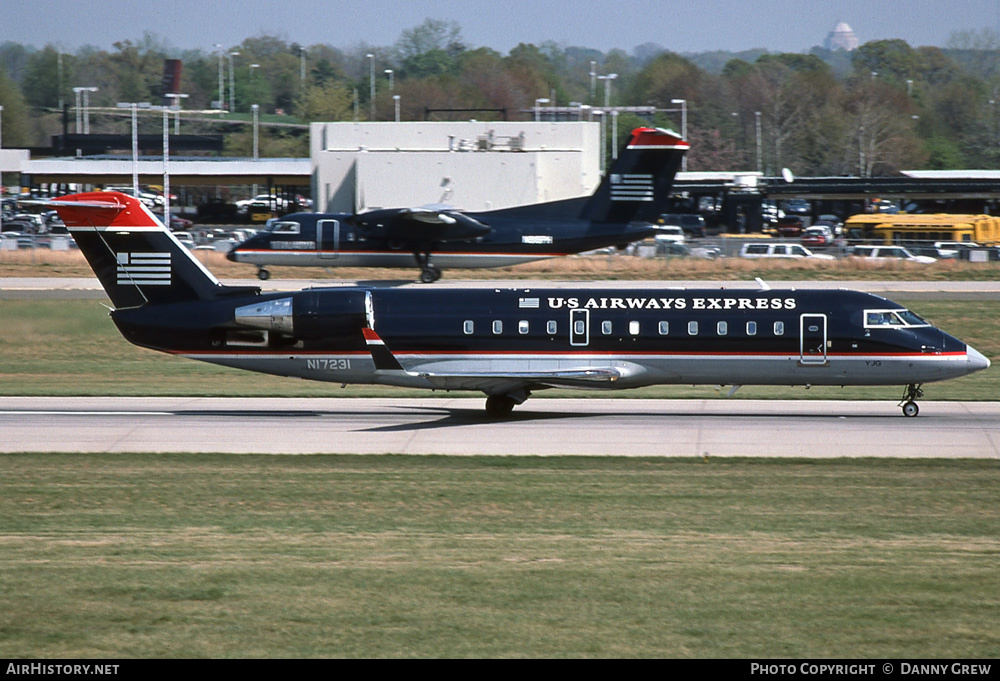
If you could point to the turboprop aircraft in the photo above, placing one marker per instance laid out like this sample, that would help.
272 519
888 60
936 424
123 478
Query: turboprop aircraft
630 198
504 342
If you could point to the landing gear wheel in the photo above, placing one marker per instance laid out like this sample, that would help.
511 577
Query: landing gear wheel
911 394
499 406
430 274
263 274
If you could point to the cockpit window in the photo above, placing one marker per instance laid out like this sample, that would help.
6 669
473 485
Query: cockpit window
892 319
283 228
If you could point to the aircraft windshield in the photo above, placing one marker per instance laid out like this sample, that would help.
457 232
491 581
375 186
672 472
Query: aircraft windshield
896 319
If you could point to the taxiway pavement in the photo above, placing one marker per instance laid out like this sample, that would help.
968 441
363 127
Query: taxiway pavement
542 426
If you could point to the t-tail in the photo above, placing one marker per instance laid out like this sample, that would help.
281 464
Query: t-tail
137 260
637 188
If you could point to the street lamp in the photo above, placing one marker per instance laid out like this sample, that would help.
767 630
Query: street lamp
302 68
543 100
232 83
607 87
388 72
371 60
86 108
759 155
395 99
166 168
222 82
614 134
256 123
593 79
684 127
177 109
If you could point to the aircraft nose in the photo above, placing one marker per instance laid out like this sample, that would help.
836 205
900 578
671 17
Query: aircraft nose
977 361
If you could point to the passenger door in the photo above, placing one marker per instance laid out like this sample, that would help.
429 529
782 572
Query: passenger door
328 238
812 339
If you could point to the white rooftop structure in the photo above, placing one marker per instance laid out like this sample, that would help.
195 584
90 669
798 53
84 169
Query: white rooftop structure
469 165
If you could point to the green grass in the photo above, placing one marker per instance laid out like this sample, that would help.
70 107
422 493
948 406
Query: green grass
136 556
71 347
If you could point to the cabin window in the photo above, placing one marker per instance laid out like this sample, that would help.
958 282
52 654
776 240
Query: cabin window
751 328
606 328
285 228
551 327
522 327
664 328
722 328
892 319
692 328
497 326
579 327
779 328
468 327
633 327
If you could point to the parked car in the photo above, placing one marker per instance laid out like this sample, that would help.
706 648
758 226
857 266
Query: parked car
261 201
761 250
817 236
692 223
797 207
669 233
789 226
885 253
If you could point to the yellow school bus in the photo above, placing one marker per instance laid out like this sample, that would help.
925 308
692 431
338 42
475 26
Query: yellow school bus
894 229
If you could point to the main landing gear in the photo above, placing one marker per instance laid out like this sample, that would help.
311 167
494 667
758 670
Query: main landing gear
263 274
499 406
428 273
911 393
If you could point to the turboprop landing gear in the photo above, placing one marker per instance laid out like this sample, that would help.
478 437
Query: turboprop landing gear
263 274
911 393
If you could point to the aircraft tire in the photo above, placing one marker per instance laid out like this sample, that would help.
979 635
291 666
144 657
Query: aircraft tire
263 274
910 409
499 406
430 274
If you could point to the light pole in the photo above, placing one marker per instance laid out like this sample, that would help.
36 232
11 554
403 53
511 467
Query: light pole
757 126
593 80
177 109
77 92
392 85
395 99
135 149
166 168
684 127
232 83
256 127
607 87
222 81
543 100
371 60
614 134
302 69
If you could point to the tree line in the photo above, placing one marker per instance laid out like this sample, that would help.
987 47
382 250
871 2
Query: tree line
883 107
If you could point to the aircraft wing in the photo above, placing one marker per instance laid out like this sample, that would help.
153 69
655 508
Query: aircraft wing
419 224
491 382
495 381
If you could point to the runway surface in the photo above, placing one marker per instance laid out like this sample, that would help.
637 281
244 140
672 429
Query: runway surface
584 426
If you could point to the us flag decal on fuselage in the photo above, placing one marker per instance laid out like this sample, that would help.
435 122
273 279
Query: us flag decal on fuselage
144 269
632 187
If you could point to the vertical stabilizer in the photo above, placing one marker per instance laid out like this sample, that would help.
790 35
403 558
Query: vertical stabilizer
136 258
637 188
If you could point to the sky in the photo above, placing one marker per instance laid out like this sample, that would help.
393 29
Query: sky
680 26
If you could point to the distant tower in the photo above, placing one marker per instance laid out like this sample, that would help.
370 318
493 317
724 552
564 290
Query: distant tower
841 38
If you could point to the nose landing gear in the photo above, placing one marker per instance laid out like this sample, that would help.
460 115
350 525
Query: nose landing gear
911 393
